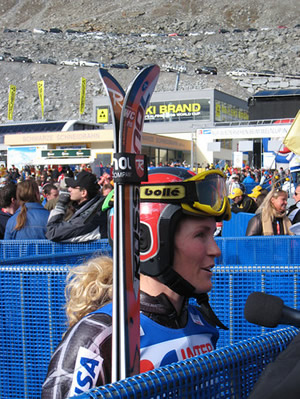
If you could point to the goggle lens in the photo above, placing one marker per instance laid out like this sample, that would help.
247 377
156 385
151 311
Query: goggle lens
211 191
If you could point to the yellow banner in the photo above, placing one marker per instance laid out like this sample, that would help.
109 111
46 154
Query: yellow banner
82 96
11 101
292 138
40 85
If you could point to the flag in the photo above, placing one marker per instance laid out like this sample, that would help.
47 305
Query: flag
11 101
82 96
292 138
40 85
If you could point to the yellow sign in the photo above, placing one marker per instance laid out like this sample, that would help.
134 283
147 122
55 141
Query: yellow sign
11 101
173 108
82 96
40 85
162 192
218 111
102 115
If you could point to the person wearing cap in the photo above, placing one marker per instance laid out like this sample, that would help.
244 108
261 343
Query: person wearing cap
256 191
242 202
178 214
88 222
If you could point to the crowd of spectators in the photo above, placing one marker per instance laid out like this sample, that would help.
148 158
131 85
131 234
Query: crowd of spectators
70 199
59 204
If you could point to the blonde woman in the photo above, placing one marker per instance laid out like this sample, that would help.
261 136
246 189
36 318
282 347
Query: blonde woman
30 220
89 286
270 218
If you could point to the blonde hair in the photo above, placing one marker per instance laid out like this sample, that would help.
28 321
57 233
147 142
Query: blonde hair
89 286
266 208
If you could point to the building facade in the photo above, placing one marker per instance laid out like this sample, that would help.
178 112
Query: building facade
180 115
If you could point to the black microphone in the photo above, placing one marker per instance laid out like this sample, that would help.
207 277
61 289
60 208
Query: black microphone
269 311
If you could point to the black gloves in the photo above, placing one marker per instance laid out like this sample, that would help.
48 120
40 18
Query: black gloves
64 198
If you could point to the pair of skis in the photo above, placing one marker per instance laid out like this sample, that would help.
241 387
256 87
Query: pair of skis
130 169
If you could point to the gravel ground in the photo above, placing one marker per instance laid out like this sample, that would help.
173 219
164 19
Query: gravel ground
127 37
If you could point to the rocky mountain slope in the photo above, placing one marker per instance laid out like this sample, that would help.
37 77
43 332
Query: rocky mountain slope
137 33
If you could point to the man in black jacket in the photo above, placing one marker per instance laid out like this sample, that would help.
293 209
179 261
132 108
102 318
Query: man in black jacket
88 222
241 202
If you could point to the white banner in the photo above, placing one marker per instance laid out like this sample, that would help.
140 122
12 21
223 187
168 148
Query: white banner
268 160
246 145
274 145
237 161
214 146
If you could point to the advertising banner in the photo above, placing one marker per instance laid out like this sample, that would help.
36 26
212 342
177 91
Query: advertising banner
11 102
21 156
40 85
82 96
237 159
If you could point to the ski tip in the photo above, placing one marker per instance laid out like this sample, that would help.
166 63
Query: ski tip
102 71
150 66
152 70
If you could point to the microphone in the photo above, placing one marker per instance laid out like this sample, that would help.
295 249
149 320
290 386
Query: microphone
269 311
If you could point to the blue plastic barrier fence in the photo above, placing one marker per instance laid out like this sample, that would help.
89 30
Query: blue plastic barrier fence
32 298
250 186
248 264
48 252
229 372
237 225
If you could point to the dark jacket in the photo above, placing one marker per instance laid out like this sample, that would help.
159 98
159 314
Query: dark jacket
254 227
4 216
247 205
35 226
280 379
88 223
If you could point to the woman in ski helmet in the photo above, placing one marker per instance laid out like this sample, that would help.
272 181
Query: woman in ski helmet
178 215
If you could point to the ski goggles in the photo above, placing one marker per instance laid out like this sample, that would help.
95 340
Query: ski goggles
203 194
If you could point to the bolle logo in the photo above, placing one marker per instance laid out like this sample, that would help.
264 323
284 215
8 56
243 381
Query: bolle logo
122 163
162 192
